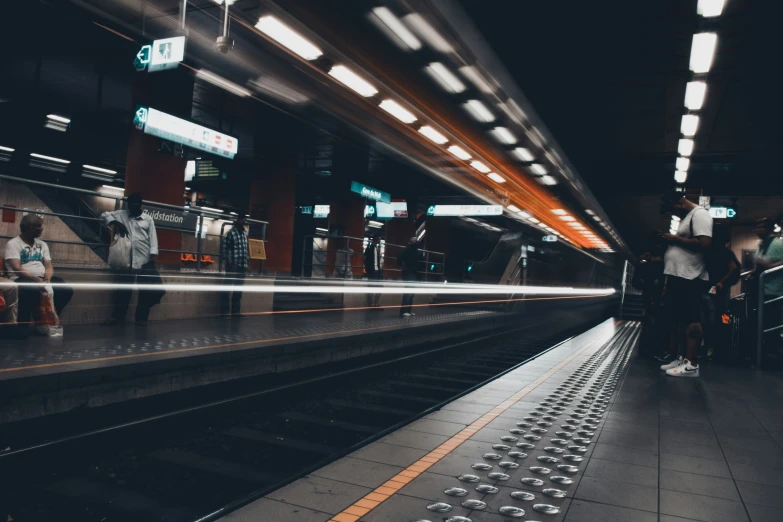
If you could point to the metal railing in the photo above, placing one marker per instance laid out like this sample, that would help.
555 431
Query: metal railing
202 214
760 304
349 260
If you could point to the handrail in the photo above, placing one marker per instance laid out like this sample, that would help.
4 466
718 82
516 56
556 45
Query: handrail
760 331
201 214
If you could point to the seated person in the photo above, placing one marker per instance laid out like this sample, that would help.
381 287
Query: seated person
8 306
27 260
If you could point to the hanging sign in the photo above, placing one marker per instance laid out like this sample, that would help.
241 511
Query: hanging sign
168 127
370 193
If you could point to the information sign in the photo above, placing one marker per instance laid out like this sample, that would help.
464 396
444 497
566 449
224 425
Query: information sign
168 127
465 210
395 209
166 54
370 193
321 211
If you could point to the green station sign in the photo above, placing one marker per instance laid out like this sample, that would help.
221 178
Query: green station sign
370 193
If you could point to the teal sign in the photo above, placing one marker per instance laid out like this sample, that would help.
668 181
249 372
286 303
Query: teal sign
307 210
370 193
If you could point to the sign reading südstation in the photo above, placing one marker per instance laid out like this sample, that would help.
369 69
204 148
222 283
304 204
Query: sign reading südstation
172 218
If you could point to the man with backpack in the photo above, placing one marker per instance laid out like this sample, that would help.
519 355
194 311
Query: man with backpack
687 279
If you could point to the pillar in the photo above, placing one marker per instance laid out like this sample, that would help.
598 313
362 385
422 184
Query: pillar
398 232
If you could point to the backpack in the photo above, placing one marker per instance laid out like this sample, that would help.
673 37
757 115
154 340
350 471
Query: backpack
716 264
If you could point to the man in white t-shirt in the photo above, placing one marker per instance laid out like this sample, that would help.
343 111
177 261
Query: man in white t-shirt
29 264
687 280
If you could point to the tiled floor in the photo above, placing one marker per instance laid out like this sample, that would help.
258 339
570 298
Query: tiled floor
663 450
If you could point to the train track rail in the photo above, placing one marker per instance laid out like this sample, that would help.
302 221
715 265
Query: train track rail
201 461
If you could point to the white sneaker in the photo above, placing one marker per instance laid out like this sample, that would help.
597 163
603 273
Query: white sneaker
684 370
675 363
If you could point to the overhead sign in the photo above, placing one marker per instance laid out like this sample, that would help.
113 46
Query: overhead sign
465 210
161 54
369 210
370 193
307 210
321 211
205 169
168 127
172 218
395 209
722 212
549 239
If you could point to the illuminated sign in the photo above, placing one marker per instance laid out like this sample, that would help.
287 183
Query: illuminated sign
307 210
205 169
142 58
321 211
370 193
395 209
168 127
549 239
722 212
369 211
465 210
166 54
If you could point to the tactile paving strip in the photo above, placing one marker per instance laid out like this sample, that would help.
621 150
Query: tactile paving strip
612 363
17 359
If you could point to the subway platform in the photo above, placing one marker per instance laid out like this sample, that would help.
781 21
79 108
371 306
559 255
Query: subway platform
584 432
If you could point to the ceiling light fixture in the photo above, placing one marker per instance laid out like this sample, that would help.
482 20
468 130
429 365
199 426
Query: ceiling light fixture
479 111
353 81
419 25
287 37
50 158
433 135
523 154
100 169
683 164
685 147
504 135
547 180
394 27
496 177
689 125
444 77
538 169
694 95
459 152
58 119
476 78
710 8
398 111
702 52
480 167
221 82
680 176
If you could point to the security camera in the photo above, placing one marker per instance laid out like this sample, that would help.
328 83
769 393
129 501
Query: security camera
224 44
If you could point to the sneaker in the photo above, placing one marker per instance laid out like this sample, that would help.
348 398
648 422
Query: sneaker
684 370
674 364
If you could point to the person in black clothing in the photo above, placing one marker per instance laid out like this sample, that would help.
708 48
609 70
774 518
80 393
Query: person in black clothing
724 269
372 265
409 263
648 277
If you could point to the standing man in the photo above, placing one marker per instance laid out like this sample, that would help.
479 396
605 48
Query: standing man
29 264
770 255
235 254
372 265
409 262
687 280
140 228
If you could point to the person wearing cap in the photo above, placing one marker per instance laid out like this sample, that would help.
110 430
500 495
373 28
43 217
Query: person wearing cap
235 255
409 263
132 222
686 279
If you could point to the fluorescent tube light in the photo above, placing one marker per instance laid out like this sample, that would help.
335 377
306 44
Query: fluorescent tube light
59 119
394 28
680 176
523 154
444 77
538 169
685 147
479 111
683 164
221 82
514 208
496 177
694 95
547 180
459 152
99 169
504 135
353 81
476 78
710 8
398 111
50 158
287 37
689 125
416 22
7 149
434 135
210 209
480 167
702 52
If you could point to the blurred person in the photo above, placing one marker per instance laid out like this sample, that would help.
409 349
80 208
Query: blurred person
686 281
235 254
139 227
770 255
648 277
409 263
372 265
724 270
28 263
9 304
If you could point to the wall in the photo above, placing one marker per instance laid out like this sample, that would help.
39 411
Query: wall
20 196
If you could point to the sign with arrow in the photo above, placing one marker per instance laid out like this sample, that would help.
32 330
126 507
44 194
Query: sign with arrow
161 54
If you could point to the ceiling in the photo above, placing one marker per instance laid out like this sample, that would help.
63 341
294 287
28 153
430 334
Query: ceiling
608 79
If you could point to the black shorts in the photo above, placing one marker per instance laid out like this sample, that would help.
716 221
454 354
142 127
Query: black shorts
375 275
683 299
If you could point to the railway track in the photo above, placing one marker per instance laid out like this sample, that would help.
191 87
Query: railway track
202 460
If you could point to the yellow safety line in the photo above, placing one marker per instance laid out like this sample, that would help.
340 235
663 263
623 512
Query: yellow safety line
382 493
